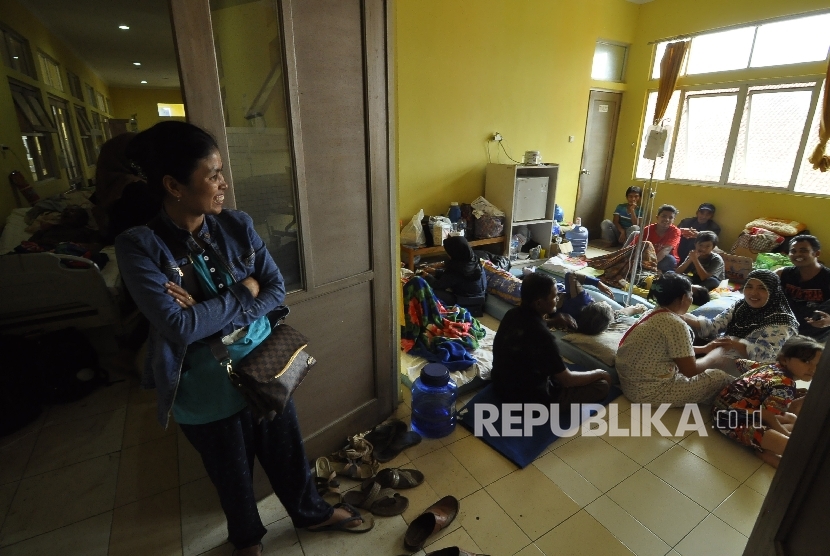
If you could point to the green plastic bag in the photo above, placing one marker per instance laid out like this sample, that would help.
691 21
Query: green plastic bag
772 261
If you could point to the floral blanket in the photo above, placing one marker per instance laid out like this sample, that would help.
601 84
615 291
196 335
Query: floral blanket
439 334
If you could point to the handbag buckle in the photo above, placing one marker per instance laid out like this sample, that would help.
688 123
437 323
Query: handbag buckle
228 364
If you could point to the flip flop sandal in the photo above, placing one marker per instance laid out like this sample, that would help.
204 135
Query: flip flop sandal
328 487
437 517
366 522
380 501
382 435
397 478
400 443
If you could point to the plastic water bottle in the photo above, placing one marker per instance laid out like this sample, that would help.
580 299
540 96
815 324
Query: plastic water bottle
514 248
454 214
558 213
555 232
578 237
433 402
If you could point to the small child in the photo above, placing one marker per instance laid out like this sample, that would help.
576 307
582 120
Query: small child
703 266
592 317
759 409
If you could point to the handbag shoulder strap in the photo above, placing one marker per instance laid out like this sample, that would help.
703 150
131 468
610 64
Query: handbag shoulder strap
179 250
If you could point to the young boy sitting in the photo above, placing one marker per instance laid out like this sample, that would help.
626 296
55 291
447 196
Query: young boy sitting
703 265
527 367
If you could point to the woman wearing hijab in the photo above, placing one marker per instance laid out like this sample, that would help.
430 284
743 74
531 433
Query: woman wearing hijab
122 197
461 276
754 328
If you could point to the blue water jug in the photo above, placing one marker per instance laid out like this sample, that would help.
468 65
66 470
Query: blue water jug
433 402
558 213
578 237
555 232
454 214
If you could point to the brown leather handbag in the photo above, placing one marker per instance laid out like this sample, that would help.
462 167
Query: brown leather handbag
269 374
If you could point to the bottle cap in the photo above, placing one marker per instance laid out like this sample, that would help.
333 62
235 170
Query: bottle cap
435 374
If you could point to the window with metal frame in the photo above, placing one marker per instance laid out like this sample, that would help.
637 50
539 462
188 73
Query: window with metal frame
51 71
748 134
36 128
17 54
66 140
75 85
86 133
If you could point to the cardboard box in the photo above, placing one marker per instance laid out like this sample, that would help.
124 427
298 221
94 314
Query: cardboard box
736 267
565 247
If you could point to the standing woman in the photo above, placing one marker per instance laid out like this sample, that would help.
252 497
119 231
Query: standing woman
237 285
754 328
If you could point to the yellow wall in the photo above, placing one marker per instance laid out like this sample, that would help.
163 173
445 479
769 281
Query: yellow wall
465 69
667 18
143 102
23 22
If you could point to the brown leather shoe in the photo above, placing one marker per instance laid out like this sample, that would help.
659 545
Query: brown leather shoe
454 551
435 518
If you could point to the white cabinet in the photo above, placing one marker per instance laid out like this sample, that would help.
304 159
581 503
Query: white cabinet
527 195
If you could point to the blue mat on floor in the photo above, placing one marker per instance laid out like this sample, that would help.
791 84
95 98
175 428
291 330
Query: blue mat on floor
521 450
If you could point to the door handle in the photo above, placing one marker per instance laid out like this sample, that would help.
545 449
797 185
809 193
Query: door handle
584 172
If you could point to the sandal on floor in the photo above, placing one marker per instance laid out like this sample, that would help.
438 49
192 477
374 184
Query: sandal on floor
436 517
397 478
366 522
454 551
400 442
382 435
356 460
380 501
328 487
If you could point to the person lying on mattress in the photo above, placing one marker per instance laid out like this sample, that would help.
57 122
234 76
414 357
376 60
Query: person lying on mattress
592 316
527 367
656 360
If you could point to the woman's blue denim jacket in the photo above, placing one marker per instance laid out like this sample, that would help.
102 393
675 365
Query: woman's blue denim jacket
146 264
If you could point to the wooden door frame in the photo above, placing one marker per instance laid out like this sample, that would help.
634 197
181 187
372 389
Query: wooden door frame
203 104
610 160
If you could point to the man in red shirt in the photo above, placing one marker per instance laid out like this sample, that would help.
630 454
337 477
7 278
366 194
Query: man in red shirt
665 237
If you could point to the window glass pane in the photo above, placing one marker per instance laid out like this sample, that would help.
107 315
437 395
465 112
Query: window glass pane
658 55
703 134
609 62
727 50
771 129
810 180
644 165
789 42
256 118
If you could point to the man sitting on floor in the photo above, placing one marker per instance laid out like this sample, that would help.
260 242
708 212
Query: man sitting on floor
807 287
527 367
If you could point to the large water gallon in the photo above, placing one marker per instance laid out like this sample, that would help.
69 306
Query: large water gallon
578 237
558 213
454 214
433 402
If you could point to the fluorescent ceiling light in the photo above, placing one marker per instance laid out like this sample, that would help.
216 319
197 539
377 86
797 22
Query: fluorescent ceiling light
144 82
124 27
136 63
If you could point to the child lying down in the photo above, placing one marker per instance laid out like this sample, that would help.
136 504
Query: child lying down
590 316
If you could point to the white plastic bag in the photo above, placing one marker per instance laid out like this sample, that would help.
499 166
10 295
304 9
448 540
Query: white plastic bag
413 233
482 206
440 227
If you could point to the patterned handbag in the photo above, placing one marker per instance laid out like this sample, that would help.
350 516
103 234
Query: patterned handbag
269 374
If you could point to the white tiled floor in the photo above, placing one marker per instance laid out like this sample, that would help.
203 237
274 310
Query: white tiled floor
100 477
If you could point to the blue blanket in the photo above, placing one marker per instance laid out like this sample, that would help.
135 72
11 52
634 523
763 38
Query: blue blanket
521 450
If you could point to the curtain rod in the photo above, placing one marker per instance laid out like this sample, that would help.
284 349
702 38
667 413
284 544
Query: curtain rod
740 25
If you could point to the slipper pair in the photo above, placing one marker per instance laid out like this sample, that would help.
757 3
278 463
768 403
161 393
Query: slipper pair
383 502
396 478
365 525
390 439
328 487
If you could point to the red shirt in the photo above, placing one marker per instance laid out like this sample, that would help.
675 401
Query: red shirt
670 238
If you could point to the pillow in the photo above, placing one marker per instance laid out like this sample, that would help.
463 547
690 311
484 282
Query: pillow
502 284
602 346
779 226
716 306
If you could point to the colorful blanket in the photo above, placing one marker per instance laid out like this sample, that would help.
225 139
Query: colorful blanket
439 334
617 265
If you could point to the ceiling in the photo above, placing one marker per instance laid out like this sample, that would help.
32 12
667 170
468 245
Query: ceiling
90 29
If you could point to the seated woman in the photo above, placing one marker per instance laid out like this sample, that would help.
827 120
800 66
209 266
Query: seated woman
656 360
760 408
461 276
626 218
754 328
527 367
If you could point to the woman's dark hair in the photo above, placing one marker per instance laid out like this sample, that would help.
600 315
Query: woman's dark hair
536 286
594 318
700 295
668 288
634 189
670 208
812 240
170 149
800 347
707 236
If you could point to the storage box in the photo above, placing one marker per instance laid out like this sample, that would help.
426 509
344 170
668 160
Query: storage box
565 247
736 267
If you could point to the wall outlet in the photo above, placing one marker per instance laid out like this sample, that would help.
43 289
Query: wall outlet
496 136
